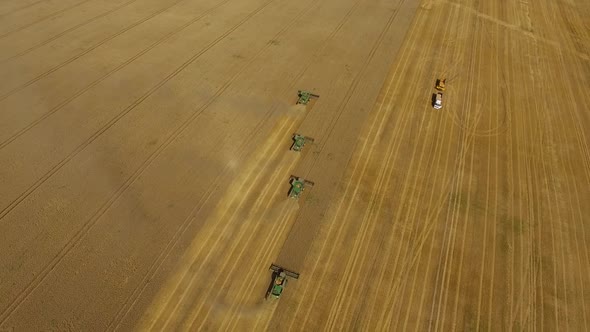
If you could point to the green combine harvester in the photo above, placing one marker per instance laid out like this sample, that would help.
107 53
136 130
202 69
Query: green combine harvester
279 281
305 96
297 186
299 141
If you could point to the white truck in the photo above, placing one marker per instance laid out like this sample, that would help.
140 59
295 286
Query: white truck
437 101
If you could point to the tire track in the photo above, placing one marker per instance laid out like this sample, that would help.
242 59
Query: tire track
455 220
556 162
92 221
379 115
548 174
438 159
339 26
416 193
337 29
524 303
478 114
386 104
367 225
279 226
4 35
473 133
348 188
532 276
522 31
388 168
422 237
543 129
114 120
568 166
430 225
47 41
496 65
138 291
397 132
332 35
192 216
356 80
371 202
550 210
496 198
537 244
410 192
261 204
403 256
453 213
528 271
492 41
584 151
102 78
578 213
353 259
266 117
516 177
501 126
263 255
516 145
466 143
535 135
21 8
239 197
124 310
577 245
522 188
331 126
446 231
510 169
452 30
263 320
554 190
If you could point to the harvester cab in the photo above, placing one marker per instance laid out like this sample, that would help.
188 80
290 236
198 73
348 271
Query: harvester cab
299 141
279 281
297 186
305 96
440 84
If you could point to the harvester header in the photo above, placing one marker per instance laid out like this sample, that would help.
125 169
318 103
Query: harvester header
279 280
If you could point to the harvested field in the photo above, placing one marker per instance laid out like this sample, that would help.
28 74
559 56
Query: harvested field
145 164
